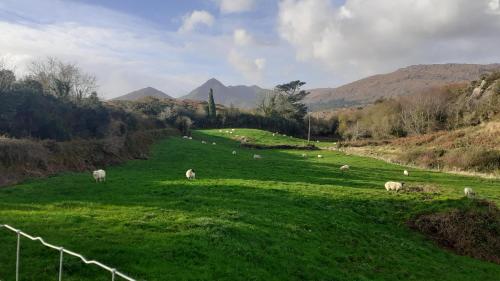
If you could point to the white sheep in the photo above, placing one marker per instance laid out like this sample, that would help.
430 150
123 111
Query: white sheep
392 185
185 137
190 138
234 152
304 155
220 131
469 192
203 142
320 156
99 175
190 175
406 173
257 156
213 143
344 168
274 134
284 135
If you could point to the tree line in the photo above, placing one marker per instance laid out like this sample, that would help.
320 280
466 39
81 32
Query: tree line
56 100
443 108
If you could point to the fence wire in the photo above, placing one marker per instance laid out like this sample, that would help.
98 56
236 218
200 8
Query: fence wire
62 251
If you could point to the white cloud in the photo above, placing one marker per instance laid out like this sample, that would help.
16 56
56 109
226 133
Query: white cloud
235 6
241 37
251 69
124 52
367 36
195 19
494 6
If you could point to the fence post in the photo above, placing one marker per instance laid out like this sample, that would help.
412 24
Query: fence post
17 253
61 263
113 274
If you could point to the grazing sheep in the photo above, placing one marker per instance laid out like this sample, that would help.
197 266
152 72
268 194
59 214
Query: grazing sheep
190 175
99 175
284 135
405 172
320 156
203 142
257 156
392 185
274 134
469 192
231 132
185 137
220 131
317 141
304 155
344 168
190 138
226 131
234 152
213 143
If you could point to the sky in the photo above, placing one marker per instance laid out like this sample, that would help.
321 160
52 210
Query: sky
176 45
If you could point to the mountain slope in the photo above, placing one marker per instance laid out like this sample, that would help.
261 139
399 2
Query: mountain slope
142 93
239 96
404 81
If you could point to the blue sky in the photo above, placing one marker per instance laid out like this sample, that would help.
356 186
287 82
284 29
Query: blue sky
175 45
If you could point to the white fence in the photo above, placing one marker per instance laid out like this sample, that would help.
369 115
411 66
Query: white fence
62 251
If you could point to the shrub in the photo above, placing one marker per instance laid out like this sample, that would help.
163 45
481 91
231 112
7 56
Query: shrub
477 159
472 230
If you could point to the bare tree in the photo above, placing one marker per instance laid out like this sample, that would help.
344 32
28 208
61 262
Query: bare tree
425 112
63 80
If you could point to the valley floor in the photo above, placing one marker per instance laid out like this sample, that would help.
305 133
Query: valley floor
282 217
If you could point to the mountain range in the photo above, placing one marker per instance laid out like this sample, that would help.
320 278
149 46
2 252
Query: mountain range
238 96
405 81
142 93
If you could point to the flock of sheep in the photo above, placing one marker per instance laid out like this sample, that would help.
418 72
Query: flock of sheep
100 175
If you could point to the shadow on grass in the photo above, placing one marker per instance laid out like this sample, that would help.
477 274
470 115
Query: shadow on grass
240 220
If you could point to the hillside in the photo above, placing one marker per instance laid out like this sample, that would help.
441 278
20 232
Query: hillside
142 93
239 96
405 81
282 217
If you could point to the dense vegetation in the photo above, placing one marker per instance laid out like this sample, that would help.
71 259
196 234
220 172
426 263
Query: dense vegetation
285 116
446 108
282 217
58 101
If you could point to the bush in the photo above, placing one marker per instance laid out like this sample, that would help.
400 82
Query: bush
476 159
473 230
426 157
20 159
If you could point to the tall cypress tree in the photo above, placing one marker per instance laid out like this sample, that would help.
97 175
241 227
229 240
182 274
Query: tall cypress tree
212 111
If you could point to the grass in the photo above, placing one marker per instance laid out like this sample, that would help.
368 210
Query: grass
282 217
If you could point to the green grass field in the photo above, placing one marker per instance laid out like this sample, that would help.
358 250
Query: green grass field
282 217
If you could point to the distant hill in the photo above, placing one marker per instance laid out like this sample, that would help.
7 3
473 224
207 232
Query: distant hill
239 96
142 93
404 81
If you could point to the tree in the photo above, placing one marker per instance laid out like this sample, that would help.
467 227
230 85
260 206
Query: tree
292 97
267 105
7 79
212 110
63 80
285 102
